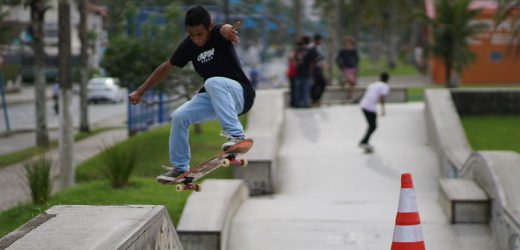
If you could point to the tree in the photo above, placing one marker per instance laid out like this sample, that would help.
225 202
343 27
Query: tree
298 17
38 9
66 142
452 29
84 69
508 10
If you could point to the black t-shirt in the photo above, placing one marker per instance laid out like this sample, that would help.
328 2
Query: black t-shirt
216 58
303 62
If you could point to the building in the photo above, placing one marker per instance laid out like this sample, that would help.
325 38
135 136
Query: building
495 63
96 18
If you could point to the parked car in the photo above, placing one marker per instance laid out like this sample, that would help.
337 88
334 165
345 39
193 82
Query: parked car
104 89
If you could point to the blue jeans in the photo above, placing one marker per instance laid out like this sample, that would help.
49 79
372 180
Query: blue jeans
222 101
302 91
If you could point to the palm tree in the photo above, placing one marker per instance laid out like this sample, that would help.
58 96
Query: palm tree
508 9
452 29
66 143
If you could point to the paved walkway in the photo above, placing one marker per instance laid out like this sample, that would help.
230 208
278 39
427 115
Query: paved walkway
332 196
13 185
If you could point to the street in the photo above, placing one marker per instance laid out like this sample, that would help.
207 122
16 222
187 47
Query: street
22 116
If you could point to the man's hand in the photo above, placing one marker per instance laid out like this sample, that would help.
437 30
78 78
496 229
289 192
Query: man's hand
135 97
230 32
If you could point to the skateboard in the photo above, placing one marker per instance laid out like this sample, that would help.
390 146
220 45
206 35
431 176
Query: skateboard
227 158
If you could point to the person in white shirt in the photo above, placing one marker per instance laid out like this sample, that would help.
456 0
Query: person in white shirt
374 93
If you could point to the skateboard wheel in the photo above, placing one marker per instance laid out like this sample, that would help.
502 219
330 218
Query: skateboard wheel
196 188
225 163
179 187
243 162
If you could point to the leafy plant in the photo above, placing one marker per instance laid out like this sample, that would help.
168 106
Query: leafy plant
453 28
118 164
38 177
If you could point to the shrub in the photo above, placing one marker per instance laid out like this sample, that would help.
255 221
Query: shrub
118 164
38 172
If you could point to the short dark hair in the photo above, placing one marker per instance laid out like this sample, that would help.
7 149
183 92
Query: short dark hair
384 77
196 16
318 37
305 39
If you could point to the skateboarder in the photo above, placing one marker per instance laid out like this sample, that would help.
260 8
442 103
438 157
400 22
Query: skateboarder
374 93
226 94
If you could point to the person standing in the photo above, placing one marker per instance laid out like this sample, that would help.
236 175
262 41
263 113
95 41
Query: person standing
374 93
291 74
303 74
317 66
347 60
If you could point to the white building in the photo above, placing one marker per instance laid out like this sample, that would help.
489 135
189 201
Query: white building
95 25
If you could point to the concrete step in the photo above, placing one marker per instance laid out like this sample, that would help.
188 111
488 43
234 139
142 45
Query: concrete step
96 227
464 201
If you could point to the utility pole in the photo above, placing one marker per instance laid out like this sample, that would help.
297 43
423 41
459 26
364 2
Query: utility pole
66 143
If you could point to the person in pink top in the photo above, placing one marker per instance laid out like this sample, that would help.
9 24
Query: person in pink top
375 93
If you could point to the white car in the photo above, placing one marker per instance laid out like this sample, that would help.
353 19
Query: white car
104 89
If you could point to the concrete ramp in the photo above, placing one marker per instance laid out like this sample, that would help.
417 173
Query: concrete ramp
96 227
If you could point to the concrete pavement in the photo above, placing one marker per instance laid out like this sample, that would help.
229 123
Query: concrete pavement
332 196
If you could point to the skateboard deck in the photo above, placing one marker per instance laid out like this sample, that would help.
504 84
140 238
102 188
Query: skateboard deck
227 158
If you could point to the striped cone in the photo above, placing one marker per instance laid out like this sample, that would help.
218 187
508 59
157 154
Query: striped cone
407 233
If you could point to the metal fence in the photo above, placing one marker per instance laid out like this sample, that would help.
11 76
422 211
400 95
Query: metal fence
155 108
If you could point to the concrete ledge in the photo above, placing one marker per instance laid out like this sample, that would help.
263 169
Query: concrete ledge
204 223
265 123
338 95
464 201
445 131
498 172
96 227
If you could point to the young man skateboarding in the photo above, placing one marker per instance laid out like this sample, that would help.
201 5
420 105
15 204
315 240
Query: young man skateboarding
374 93
226 94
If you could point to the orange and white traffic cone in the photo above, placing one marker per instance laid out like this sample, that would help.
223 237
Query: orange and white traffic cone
407 233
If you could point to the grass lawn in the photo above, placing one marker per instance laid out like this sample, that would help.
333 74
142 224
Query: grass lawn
493 132
22 155
152 150
369 68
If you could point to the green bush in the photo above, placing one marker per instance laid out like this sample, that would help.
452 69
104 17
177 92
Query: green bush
118 164
38 177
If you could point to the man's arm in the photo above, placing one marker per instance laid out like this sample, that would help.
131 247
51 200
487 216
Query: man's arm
382 101
230 32
157 76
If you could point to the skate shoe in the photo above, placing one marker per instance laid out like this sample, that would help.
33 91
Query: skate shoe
231 140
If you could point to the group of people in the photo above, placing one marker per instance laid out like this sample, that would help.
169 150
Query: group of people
307 82
305 72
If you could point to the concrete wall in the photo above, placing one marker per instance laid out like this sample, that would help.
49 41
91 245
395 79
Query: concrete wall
445 131
338 95
265 123
487 101
205 219
96 227
498 172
